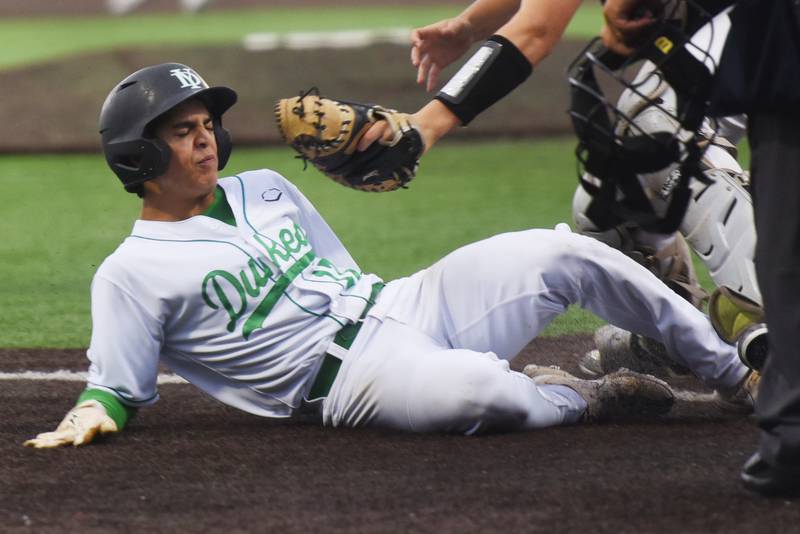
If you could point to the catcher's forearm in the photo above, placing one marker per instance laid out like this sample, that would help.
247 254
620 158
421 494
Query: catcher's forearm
538 26
492 72
485 17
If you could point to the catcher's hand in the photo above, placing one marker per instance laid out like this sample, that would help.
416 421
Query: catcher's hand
78 427
326 132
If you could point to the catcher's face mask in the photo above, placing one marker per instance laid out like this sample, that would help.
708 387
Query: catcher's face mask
643 115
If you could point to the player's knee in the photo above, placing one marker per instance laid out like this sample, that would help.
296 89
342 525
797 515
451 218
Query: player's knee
561 251
475 398
493 406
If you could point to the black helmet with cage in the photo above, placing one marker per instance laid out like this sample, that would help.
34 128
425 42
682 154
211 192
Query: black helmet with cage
134 104
670 76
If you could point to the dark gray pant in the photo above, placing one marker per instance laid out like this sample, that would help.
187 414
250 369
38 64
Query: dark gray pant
775 146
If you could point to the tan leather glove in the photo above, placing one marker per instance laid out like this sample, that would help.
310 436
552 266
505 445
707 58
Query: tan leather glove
327 132
79 427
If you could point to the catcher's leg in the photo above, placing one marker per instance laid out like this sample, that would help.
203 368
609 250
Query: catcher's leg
718 225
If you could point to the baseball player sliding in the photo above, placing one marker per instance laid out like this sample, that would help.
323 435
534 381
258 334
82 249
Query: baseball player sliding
240 286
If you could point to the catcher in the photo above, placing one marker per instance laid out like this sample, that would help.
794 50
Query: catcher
240 286
515 37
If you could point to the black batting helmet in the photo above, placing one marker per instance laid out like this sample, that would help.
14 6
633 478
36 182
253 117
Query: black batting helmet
644 115
132 151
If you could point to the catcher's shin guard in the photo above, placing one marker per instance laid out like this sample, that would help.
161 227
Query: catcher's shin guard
718 222
719 226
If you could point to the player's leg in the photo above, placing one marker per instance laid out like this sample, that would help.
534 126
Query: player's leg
666 255
397 377
497 294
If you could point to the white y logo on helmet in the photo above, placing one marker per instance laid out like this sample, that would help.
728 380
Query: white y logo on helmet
188 78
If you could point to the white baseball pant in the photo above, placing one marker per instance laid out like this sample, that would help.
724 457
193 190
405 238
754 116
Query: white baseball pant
433 352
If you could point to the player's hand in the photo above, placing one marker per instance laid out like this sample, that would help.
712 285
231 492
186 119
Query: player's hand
435 46
79 427
627 23
432 121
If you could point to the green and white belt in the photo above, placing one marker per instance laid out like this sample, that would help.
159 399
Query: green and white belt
341 344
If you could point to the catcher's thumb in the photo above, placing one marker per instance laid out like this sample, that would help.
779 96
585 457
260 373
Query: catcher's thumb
380 132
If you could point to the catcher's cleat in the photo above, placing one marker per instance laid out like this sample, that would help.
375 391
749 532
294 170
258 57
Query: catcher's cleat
745 394
752 346
591 364
623 395
619 349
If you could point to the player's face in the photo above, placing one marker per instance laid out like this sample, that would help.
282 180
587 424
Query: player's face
188 129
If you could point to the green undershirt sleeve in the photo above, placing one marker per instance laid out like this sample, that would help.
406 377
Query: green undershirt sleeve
117 411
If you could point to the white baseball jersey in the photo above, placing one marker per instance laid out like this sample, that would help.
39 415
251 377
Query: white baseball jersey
243 312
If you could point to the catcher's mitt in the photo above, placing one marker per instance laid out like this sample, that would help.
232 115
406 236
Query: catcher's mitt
326 132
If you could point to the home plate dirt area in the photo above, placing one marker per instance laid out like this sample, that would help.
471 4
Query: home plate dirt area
190 464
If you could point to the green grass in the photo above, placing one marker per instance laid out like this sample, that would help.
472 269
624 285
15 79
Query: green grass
29 40
64 214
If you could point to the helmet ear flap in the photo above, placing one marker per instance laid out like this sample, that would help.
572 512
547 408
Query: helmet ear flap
224 143
139 160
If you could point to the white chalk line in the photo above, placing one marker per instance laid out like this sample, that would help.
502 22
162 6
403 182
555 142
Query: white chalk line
75 376
333 39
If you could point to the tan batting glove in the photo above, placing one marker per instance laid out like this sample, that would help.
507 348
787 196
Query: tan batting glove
79 427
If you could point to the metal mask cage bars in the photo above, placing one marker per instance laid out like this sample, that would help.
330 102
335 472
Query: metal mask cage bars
615 159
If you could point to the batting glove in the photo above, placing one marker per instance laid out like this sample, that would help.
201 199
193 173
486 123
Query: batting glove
79 427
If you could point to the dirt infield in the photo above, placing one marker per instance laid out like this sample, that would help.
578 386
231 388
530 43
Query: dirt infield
380 73
189 464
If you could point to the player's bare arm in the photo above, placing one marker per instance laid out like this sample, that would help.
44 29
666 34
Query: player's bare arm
435 46
538 26
521 43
